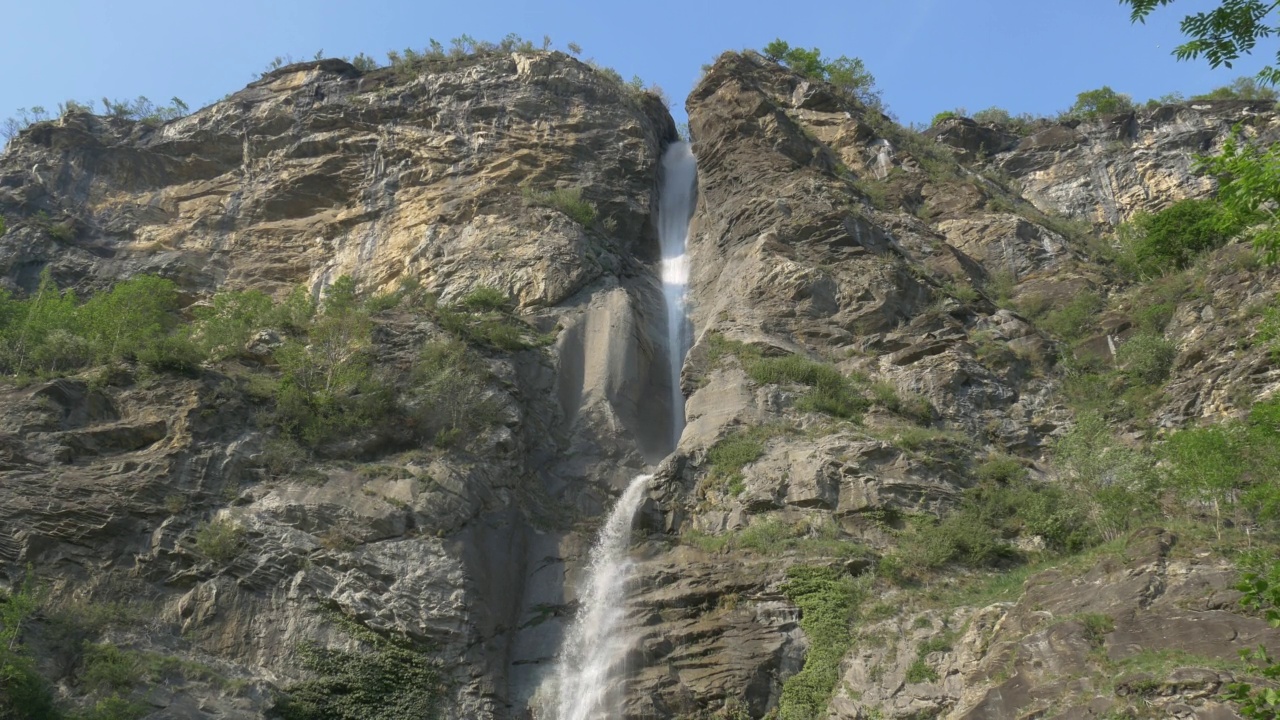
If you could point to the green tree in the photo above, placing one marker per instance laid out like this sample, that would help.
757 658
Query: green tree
1103 101
849 75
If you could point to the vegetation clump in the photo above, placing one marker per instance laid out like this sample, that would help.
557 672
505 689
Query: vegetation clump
848 75
1152 244
387 677
828 598
567 200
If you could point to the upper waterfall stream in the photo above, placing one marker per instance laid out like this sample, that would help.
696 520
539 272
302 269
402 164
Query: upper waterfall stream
675 207
590 677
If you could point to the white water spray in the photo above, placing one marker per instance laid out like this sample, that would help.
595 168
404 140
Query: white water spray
676 198
589 679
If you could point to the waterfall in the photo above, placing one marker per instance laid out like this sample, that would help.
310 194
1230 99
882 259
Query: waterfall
679 175
588 678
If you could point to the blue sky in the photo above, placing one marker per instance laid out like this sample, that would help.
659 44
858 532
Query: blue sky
927 55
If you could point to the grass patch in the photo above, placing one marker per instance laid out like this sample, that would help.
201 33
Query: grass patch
567 200
727 458
772 536
830 391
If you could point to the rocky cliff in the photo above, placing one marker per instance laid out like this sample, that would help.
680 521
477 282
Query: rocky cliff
879 329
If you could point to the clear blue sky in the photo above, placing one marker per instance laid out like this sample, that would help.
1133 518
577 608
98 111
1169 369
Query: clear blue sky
927 55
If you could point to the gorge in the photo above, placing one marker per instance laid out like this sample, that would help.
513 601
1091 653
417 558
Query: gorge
468 386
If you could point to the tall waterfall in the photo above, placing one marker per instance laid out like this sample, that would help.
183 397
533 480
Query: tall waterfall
588 678
675 206
589 681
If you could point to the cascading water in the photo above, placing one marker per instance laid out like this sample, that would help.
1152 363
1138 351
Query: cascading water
594 651
591 670
675 207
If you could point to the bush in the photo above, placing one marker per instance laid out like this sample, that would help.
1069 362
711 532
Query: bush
483 299
107 668
220 540
328 389
225 326
1146 358
1075 319
52 332
1155 243
1242 88
1228 467
1117 479
730 454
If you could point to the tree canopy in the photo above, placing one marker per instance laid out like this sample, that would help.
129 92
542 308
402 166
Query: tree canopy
1222 34
850 75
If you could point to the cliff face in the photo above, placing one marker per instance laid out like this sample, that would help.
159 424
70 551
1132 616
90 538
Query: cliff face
314 172
863 343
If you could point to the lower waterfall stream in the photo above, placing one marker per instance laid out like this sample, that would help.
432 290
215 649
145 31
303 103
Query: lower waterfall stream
591 670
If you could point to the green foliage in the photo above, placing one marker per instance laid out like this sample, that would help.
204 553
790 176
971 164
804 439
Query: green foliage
1222 34
225 326
830 393
107 668
1248 187
23 692
1171 239
52 333
1075 319
942 117
567 200
493 327
1146 358
448 398
482 299
731 453
1020 124
1229 467
220 540
1261 588
910 405
848 75
114 707
1103 101
388 678
328 389
919 671
143 110
772 536
1242 88
1117 480
827 598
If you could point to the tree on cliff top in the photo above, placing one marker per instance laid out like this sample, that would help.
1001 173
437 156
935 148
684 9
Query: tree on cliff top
848 74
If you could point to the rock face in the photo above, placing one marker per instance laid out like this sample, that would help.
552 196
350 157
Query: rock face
1105 170
827 242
